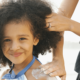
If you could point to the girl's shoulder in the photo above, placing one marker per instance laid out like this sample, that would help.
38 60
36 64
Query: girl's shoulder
5 72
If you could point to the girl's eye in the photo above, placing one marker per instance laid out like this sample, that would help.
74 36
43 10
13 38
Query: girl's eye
22 38
7 40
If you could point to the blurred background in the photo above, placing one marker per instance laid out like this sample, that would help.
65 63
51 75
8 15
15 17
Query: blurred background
71 44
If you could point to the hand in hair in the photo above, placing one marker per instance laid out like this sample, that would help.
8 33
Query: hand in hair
62 23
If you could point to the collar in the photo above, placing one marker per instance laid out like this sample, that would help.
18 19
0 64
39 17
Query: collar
13 76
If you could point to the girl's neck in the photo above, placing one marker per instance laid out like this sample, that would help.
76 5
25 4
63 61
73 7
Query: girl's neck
18 67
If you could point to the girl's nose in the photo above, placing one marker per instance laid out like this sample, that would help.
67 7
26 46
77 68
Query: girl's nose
15 46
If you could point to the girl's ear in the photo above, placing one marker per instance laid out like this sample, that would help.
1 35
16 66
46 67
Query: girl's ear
35 42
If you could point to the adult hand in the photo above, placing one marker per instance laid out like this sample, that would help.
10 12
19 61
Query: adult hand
55 68
58 22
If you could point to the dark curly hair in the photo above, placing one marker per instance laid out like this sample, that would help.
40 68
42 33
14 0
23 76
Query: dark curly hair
34 11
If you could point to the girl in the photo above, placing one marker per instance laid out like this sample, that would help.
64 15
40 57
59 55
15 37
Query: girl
23 36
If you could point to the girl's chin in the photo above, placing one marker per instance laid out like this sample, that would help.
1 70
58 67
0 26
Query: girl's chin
17 62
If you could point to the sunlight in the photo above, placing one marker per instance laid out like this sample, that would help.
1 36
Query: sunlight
55 4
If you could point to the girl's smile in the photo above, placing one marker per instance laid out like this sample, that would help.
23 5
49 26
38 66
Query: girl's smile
17 54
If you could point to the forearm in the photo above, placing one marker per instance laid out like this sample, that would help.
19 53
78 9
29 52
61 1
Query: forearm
58 54
75 27
58 51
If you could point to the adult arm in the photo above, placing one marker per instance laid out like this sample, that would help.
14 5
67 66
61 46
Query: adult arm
61 23
75 27
56 67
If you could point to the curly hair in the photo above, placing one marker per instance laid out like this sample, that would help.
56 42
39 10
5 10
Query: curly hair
34 11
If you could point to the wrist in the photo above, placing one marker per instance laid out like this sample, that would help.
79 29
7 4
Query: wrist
70 25
58 57
73 25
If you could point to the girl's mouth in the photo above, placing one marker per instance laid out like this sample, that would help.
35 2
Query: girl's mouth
17 54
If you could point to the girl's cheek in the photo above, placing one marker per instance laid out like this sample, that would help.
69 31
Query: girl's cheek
5 46
26 46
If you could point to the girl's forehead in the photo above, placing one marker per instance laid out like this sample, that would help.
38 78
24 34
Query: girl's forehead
17 28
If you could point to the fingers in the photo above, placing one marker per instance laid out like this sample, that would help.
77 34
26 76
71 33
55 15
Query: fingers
53 26
44 67
51 23
58 73
54 71
50 70
53 14
51 18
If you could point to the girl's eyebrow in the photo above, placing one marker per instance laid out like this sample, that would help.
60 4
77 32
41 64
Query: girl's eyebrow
6 37
24 35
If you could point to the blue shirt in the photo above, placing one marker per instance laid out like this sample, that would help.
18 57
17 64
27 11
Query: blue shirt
21 74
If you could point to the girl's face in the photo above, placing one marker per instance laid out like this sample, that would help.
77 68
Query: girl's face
18 42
